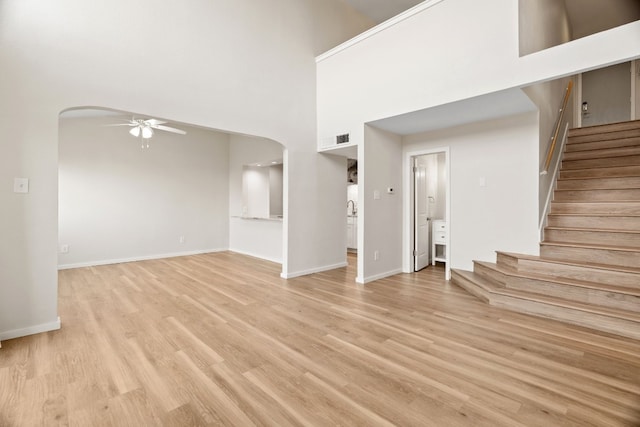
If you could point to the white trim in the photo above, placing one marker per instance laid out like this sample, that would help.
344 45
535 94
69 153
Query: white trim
254 255
312 270
407 194
30 330
556 169
138 258
378 28
369 279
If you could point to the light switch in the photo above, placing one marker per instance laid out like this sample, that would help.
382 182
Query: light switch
376 194
482 181
20 185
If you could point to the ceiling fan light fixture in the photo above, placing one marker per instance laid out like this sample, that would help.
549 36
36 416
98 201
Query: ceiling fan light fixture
147 132
135 131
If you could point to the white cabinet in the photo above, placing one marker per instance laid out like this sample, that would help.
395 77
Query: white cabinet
439 233
352 232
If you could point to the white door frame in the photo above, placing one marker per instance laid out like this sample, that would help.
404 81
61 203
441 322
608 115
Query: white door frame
407 210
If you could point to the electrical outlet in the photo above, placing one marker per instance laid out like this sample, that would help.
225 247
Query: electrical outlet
181 239
64 249
376 255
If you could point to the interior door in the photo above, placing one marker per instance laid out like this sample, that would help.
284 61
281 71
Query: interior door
606 95
421 216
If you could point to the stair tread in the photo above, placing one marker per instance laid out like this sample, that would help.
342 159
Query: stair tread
558 302
605 128
601 189
598 202
595 178
596 266
563 280
602 153
602 162
597 215
591 246
561 302
599 230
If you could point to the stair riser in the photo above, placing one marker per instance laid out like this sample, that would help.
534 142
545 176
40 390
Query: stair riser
564 271
595 321
599 222
596 195
601 163
575 293
597 256
609 131
599 183
469 286
629 239
610 172
507 261
489 274
596 208
601 144
602 153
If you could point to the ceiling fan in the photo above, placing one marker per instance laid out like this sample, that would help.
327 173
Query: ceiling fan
143 128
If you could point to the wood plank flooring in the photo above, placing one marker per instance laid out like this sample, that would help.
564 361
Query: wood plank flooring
220 339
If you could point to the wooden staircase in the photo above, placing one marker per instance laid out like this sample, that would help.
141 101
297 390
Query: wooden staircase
588 271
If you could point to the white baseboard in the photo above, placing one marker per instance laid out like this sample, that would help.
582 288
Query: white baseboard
312 270
138 258
254 255
30 330
378 276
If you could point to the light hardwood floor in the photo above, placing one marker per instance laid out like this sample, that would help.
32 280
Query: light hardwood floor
220 339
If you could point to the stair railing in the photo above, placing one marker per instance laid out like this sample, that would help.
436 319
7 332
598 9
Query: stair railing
556 131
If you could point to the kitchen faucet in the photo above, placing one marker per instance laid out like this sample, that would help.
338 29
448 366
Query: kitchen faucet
353 207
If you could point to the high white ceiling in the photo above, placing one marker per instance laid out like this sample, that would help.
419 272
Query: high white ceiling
381 10
481 108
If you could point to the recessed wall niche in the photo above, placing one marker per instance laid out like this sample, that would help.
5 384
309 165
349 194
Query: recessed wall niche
262 189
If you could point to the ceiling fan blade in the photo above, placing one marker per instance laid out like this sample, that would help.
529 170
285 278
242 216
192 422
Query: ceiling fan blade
169 129
154 122
122 124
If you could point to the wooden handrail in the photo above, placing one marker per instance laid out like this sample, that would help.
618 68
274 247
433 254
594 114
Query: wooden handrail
554 137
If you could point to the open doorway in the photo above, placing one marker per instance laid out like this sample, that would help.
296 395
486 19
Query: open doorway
426 211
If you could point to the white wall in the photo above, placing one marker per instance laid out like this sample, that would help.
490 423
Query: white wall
259 238
380 221
239 65
120 202
502 213
319 198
